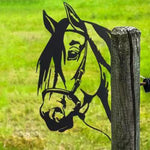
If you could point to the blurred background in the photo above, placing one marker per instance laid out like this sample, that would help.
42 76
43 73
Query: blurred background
23 38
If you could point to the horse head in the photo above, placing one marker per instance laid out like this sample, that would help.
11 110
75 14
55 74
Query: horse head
51 70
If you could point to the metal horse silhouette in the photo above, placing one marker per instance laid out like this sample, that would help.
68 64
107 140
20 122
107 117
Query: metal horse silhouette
52 60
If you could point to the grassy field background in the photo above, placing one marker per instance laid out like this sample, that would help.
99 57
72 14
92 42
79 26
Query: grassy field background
23 37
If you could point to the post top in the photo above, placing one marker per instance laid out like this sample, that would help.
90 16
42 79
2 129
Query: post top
124 30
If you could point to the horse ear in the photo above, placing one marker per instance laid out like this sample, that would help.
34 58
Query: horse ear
49 23
73 18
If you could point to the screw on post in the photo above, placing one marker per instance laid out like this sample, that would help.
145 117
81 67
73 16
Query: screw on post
145 84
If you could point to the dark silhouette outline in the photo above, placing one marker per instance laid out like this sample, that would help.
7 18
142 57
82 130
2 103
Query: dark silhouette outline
55 51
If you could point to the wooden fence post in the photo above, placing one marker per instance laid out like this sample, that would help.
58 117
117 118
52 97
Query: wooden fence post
125 88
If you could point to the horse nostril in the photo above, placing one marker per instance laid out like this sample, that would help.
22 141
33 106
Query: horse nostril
58 116
57 109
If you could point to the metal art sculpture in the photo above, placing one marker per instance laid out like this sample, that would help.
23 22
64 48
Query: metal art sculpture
51 63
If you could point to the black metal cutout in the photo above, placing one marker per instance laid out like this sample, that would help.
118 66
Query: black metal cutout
146 85
51 61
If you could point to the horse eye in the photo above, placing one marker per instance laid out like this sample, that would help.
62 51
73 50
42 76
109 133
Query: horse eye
72 55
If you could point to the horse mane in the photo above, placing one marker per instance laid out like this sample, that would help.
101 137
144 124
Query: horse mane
53 51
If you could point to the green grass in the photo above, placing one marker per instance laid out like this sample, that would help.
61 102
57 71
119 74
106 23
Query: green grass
22 39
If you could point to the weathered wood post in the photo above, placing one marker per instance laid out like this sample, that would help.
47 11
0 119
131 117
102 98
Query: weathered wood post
125 84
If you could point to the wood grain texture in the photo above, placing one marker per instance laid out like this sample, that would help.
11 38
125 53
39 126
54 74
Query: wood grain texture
125 84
